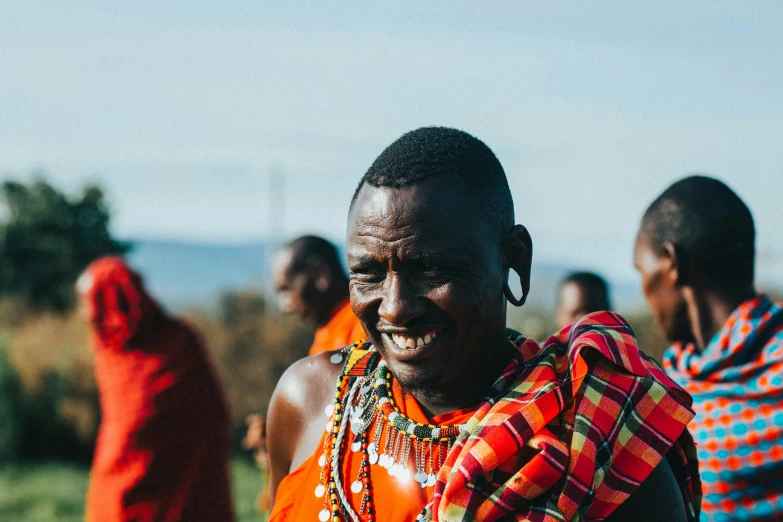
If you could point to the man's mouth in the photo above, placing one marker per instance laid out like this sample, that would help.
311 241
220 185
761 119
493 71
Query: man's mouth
406 342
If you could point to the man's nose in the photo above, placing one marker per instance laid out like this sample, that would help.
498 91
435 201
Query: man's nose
400 302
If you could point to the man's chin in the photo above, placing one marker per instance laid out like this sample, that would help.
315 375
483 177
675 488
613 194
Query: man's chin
413 377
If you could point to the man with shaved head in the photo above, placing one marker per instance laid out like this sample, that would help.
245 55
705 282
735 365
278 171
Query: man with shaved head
445 414
695 252
579 294
311 283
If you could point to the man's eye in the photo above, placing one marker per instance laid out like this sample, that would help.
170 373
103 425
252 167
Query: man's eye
366 274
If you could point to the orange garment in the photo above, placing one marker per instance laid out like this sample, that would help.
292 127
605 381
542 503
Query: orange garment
393 500
342 329
162 448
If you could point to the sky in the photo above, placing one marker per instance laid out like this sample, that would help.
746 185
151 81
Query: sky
185 112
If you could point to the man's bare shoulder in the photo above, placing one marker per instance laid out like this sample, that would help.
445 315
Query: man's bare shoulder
303 384
296 416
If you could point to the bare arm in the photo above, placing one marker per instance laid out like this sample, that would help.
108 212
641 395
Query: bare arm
295 420
658 498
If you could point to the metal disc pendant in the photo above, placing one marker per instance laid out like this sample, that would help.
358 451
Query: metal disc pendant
357 486
356 446
404 474
372 448
420 477
324 515
431 480
373 458
336 358
393 469
320 491
329 409
329 425
322 460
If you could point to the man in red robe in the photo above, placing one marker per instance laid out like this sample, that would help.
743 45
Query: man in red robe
163 443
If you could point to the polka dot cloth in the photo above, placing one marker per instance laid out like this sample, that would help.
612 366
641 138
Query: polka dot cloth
737 389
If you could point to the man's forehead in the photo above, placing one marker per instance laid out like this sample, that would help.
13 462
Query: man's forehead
281 263
431 202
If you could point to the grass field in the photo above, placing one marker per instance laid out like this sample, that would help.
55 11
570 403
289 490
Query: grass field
54 492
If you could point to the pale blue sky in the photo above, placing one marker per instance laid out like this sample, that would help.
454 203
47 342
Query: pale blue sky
180 110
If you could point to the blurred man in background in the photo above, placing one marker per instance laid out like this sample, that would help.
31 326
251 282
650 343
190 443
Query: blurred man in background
310 282
163 443
579 294
695 252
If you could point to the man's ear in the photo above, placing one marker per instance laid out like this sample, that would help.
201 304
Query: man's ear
322 274
675 264
518 250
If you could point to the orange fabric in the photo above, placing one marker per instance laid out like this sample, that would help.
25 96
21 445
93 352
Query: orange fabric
342 329
162 449
296 498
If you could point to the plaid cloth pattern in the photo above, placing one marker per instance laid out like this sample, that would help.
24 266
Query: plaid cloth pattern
575 426
737 388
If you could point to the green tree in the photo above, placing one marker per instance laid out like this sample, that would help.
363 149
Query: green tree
48 238
10 408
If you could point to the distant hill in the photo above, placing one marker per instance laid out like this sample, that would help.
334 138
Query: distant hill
183 273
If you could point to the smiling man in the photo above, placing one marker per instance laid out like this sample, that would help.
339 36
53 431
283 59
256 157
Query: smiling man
695 252
444 413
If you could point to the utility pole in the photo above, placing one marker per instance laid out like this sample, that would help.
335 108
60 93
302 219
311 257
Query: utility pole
276 205
276 217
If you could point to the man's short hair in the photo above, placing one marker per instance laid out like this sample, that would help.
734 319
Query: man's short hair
706 219
306 249
434 151
596 287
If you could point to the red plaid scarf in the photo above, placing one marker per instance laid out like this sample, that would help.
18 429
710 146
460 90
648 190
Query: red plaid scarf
737 388
575 427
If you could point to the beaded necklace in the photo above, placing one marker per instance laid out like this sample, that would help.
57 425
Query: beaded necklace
363 397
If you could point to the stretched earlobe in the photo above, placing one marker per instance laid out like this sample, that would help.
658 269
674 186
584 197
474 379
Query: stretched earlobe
519 258
512 298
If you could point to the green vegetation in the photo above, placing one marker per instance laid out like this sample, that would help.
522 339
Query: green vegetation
51 492
47 239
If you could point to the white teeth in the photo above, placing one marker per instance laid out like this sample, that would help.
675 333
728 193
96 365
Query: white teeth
409 343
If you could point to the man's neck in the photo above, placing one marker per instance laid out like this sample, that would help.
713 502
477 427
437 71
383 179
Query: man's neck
709 310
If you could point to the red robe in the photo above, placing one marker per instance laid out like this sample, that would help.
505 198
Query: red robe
342 329
163 444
